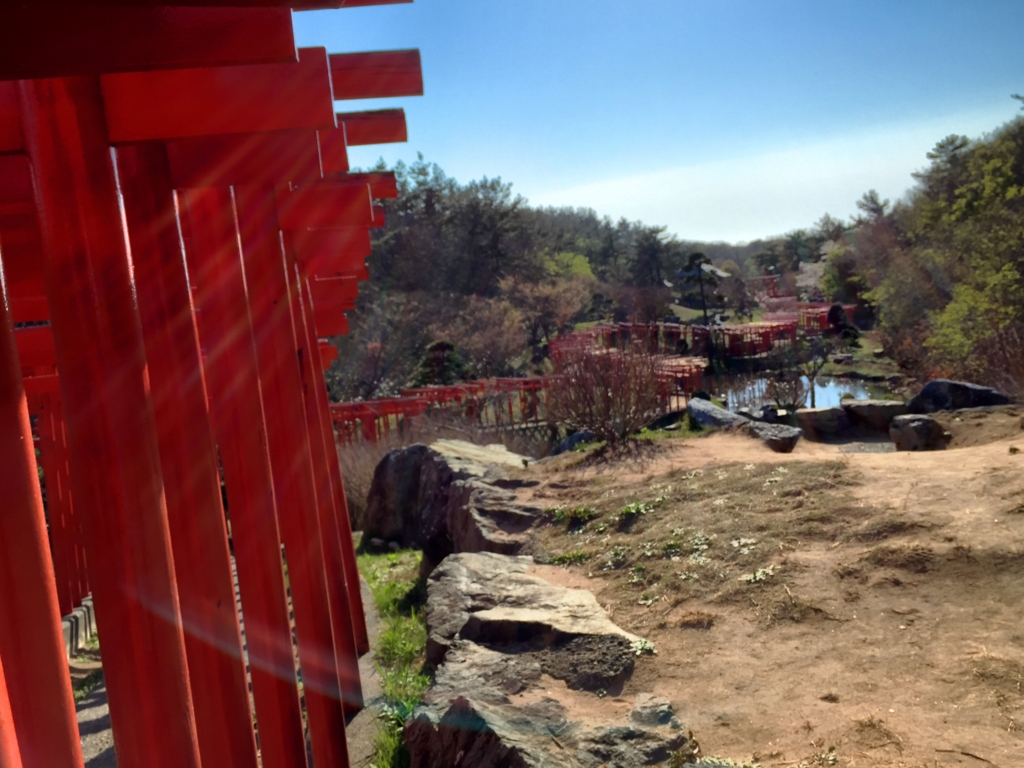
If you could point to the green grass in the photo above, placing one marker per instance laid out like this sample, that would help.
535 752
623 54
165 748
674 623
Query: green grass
82 688
399 594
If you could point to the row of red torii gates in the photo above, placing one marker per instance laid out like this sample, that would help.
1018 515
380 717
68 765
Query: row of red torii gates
503 402
178 229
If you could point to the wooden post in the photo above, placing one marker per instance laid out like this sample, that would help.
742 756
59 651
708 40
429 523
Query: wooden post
199 540
38 682
115 463
344 524
347 616
58 506
10 756
291 468
208 224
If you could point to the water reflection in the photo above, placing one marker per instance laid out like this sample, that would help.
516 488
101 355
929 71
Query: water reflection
749 391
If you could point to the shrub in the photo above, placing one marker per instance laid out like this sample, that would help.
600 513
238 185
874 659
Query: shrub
611 393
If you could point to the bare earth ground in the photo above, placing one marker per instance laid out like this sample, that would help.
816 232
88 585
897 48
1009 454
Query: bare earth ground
881 611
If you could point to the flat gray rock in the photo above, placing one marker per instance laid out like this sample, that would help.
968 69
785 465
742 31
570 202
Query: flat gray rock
707 414
495 631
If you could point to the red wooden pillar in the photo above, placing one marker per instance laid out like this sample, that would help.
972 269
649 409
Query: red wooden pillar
336 557
58 506
111 434
291 467
10 756
199 541
319 389
208 222
31 640
77 554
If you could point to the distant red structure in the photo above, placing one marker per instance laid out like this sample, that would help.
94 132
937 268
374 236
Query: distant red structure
178 229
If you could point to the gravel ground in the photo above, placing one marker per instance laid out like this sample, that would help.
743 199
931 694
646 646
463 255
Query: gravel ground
94 727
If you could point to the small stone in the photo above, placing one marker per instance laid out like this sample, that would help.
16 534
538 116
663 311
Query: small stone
394 546
377 543
651 710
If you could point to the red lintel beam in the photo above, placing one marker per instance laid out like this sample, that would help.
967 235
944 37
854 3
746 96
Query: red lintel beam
248 158
376 74
325 206
382 126
35 346
383 184
88 39
142 106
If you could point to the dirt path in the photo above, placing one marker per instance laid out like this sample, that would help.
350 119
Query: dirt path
889 631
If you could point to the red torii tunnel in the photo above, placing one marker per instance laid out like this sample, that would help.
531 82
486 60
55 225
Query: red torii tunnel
178 229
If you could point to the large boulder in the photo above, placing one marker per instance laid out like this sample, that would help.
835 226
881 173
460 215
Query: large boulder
916 432
495 630
873 415
823 423
409 489
946 395
781 438
707 414
485 518
411 500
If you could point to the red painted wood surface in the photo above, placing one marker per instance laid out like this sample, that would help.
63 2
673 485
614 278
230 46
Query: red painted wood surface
324 205
344 524
111 433
208 224
383 126
343 614
90 39
199 540
252 158
177 103
294 487
376 75
10 756
59 510
32 647
333 149
321 251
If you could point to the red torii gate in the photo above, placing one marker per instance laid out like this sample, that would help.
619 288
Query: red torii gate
119 433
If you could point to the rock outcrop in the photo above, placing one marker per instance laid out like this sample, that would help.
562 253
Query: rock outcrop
873 415
821 424
779 437
946 395
707 414
916 432
495 631
447 498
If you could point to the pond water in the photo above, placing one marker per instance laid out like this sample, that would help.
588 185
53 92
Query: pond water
749 392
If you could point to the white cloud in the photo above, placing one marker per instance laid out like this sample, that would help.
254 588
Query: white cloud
744 198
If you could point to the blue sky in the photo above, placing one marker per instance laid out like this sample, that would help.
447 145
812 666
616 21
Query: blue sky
719 120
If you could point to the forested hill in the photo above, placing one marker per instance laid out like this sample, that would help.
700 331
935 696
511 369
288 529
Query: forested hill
475 266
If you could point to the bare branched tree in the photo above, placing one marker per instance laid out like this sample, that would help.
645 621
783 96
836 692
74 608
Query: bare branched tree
611 393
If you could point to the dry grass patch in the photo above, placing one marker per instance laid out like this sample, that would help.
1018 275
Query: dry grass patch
719 534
